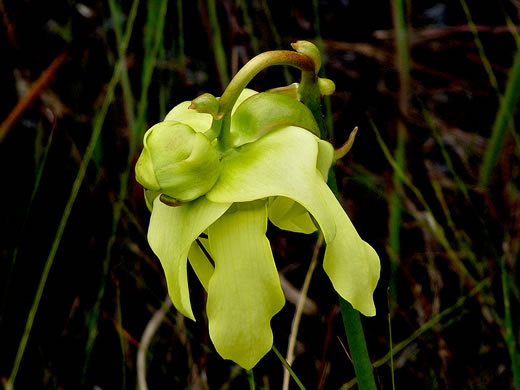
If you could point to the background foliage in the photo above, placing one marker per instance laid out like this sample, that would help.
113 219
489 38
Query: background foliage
432 182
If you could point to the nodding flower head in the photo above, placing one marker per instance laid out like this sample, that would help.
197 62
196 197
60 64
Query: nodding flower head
230 165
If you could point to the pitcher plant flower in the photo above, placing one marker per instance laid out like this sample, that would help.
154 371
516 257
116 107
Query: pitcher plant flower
216 170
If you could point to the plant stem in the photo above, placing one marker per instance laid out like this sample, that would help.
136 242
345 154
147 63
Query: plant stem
251 379
255 66
358 346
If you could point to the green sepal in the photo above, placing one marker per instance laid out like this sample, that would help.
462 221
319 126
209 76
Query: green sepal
265 112
198 121
206 103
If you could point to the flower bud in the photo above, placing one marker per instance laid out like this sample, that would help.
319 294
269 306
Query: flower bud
311 51
177 162
327 86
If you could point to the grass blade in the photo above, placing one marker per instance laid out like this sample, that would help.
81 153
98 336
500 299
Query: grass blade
509 335
218 47
502 123
288 367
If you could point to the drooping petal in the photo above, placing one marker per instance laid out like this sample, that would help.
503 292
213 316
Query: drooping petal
289 215
283 163
352 265
172 231
244 291
200 262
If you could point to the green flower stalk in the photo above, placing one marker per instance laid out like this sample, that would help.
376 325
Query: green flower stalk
214 172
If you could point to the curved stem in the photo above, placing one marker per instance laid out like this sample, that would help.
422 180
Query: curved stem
248 72
255 66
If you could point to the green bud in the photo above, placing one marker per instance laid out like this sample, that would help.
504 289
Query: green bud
206 103
311 51
177 162
327 86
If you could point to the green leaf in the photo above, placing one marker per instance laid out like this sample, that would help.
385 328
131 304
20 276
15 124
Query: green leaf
172 231
283 163
244 291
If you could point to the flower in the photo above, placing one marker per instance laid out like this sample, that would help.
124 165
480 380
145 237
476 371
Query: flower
274 168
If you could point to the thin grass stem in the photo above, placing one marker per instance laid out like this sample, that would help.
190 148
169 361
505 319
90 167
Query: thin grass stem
289 368
396 348
115 13
149 331
12 264
276 37
124 178
390 340
509 333
329 122
502 123
98 125
249 26
430 323
430 223
218 46
122 336
480 47
299 308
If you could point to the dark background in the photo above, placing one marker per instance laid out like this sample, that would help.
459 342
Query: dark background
105 283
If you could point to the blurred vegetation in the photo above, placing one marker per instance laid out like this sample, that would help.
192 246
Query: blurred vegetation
432 182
